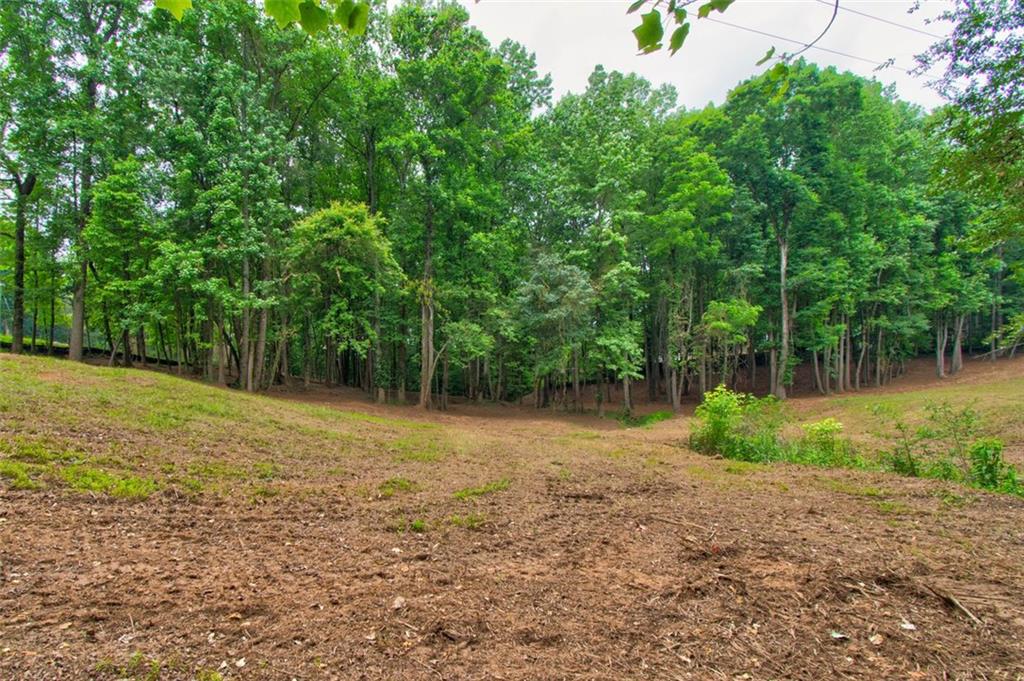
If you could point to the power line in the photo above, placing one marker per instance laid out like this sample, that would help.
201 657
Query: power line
883 20
806 45
831 20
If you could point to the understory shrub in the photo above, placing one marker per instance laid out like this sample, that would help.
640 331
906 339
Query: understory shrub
947 447
738 426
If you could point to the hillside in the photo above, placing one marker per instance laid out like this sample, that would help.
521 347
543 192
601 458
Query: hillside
153 527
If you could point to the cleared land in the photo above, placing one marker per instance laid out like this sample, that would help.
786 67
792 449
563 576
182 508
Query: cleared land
152 527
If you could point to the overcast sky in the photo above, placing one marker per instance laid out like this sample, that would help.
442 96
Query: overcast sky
570 37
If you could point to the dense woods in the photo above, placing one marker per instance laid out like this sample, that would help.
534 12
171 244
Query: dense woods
410 212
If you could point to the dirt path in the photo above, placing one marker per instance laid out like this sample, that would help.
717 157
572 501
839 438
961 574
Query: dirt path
611 554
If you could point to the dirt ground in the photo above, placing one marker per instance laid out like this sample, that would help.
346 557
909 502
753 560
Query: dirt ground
581 550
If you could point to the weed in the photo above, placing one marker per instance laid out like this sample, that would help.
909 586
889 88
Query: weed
90 479
265 470
36 451
945 448
389 488
646 420
949 498
489 488
417 448
742 467
471 521
216 469
855 490
264 492
893 507
208 675
417 525
19 474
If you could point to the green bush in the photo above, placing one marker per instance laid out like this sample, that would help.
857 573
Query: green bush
738 426
988 470
823 445
945 447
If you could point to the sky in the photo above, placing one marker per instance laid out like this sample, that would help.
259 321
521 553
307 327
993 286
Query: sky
570 37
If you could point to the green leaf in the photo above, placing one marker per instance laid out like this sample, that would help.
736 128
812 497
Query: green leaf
650 32
713 5
313 17
678 38
343 11
283 12
175 7
635 6
767 55
779 71
358 19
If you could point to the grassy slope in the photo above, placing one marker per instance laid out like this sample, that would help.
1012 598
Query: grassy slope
130 433
999 402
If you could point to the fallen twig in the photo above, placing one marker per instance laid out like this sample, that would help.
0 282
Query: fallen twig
951 600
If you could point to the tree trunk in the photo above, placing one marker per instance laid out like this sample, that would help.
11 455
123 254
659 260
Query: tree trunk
261 350
244 360
780 373
941 333
427 304
576 397
24 189
957 362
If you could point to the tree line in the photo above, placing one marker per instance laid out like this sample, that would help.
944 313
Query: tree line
409 211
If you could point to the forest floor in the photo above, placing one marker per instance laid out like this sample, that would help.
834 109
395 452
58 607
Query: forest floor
156 528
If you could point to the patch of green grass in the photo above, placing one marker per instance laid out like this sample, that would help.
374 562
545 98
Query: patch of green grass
645 420
417 447
893 508
952 499
90 479
216 470
489 488
264 492
403 524
855 490
470 521
40 451
265 470
208 675
389 488
742 467
20 475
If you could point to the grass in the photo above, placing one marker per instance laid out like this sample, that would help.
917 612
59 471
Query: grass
389 488
470 521
645 420
893 508
483 490
19 475
89 479
851 489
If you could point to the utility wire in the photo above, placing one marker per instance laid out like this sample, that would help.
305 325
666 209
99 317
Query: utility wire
805 45
832 20
883 20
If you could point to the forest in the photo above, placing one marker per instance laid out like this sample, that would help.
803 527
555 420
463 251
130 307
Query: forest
411 212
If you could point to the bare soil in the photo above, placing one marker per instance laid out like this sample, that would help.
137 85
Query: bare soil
613 554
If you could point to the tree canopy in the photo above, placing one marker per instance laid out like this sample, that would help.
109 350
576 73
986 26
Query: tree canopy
409 211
